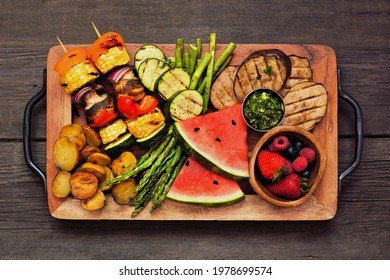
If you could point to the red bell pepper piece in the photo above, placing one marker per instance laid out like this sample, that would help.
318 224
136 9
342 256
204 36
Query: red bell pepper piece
103 119
129 108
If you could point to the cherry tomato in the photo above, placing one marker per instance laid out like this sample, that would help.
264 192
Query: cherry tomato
70 59
104 43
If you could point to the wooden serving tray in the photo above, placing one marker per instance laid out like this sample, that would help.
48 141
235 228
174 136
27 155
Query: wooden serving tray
321 206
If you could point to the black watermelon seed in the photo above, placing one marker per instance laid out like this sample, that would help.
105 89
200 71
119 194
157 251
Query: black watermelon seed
187 163
215 182
196 129
218 139
234 122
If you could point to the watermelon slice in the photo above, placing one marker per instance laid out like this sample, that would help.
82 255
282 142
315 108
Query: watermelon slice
218 141
196 185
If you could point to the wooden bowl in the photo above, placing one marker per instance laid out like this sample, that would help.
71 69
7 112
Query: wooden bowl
317 169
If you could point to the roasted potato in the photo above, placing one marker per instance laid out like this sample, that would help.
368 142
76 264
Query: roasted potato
95 169
61 186
125 191
124 163
65 154
109 175
74 132
83 184
92 136
94 202
87 151
99 158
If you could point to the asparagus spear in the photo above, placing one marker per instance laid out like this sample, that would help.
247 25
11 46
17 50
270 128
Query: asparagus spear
179 53
162 194
198 48
199 70
221 63
210 72
148 191
143 164
193 54
164 155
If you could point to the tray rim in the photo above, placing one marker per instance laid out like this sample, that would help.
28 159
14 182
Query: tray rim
60 210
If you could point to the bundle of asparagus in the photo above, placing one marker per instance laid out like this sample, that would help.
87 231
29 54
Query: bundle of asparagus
161 163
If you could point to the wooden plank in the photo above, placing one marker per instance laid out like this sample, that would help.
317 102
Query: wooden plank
323 62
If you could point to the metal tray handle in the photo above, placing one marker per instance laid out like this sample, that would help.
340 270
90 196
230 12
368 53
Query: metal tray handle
27 132
358 132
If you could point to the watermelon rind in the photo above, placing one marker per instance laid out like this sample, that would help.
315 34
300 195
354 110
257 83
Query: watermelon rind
204 159
218 201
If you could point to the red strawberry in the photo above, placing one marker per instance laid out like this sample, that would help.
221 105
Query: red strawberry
290 187
272 165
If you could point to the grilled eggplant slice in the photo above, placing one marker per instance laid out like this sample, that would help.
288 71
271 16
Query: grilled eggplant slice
222 93
262 69
305 105
300 72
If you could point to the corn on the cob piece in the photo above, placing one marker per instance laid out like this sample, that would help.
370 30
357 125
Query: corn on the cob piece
114 57
146 124
78 76
112 131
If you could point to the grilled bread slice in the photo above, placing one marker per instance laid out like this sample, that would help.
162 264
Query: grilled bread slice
305 105
262 69
222 93
300 72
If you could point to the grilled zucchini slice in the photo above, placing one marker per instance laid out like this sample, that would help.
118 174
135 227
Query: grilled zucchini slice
150 70
185 104
147 51
172 81
123 143
153 138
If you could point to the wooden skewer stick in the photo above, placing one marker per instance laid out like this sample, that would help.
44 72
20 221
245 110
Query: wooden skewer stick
96 30
62 45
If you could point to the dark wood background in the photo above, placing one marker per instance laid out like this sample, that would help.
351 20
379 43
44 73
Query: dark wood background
358 31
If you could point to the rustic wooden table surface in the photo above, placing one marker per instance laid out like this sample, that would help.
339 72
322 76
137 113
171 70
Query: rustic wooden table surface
357 30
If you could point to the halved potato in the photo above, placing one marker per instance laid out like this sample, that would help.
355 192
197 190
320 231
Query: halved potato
125 191
92 136
65 154
61 186
95 169
99 158
94 202
109 175
74 132
87 151
124 163
83 184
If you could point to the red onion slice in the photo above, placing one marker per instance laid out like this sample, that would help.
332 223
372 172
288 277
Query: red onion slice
118 73
78 96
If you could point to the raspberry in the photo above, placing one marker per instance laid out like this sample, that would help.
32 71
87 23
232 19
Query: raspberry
308 153
272 148
299 164
281 143
289 167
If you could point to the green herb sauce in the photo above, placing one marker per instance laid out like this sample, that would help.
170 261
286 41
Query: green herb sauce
263 111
